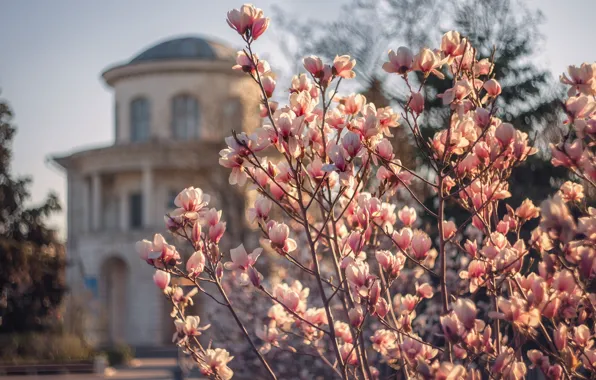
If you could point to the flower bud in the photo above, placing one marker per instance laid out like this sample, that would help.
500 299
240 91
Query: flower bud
561 337
492 87
504 133
356 316
161 279
195 264
417 102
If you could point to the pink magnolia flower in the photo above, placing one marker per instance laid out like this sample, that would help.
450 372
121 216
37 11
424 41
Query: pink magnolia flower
144 248
348 354
241 260
505 133
452 44
560 337
416 102
384 149
259 27
449 229
403 238
261 210
343 67
162 251
190 326
407 215
527 210
268 85
429 62
465 310
383 341
420 244
580 106
287 296
161 279
314 65
216 232
452 327
399 62
211 216
190 202
351 143
356 316
270 334
279 237
353 103
215 362
357 274
581 79
248 18
342 330
572 192
492 87
244 63
195 264
424 290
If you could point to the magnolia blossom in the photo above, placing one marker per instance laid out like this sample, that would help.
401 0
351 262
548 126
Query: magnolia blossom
190 202
527 210
407 215
420 244
399 62
248 19
492 87
571 192
279 237
215 362
161 279
261 210
452 44
416 102
343 65
429 62
505 133
243 262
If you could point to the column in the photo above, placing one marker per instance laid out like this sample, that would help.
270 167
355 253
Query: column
86 201
147 195
124 210
96 203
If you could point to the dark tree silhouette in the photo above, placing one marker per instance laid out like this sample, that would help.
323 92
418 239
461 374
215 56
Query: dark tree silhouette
31 258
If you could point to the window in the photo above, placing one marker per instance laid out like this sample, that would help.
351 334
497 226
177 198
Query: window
185 117
170 206
136 210
233 114
139 120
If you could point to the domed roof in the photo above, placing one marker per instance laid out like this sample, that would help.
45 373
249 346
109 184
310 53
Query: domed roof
185 48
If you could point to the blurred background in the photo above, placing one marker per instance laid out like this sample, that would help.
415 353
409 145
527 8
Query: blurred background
117 105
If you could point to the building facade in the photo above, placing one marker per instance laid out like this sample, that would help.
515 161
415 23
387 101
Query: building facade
174 103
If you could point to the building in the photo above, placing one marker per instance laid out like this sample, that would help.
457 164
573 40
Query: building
173 103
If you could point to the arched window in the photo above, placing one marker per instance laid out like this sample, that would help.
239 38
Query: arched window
140 120
185 117
233 114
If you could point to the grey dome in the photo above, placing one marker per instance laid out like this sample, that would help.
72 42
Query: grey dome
185 48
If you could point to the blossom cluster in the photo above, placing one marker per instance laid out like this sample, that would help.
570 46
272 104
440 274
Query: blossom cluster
327 181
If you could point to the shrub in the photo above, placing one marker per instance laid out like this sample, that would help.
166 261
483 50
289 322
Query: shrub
119 354
43 348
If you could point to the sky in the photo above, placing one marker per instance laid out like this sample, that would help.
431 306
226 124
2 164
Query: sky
53 53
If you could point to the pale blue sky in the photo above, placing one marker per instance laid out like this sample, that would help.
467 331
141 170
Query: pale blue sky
54 51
